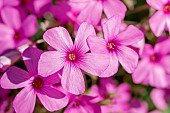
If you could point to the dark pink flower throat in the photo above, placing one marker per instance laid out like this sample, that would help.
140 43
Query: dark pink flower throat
167 8
38 83
17 36
24 2
155 57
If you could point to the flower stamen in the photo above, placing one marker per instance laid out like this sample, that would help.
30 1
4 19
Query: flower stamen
72 56
111 45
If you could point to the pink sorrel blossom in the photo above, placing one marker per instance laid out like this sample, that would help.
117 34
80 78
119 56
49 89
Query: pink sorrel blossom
37 7
65 12
93 9
34 85
115 45
153 69
83 104
161 19
108 89
16 31
116 97
135 106
72 58
160 98
138 106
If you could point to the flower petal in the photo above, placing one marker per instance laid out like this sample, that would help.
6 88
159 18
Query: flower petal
128 58
15 21
29 26
97 45
31 57
112 68
52 99
15 78
5 30
52 79
11 3
142 71
147 51
58 38
157 4
168 22
83 32
163 47
157 23
91 13
158 97
72 79
24 102
94 64
72 109
111 27
158 77
7 41
130 36
114 7
165 61
50 62
124 93
91 108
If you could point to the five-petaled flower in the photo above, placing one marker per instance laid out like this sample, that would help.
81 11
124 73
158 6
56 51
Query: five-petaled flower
34 85
115 45
72 58
161 19
153 69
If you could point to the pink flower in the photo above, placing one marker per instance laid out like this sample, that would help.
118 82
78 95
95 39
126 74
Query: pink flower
153 69
160 98
34 85
138 106
92 12
107 89
72 58
83 104
37 7
16 31
115 45
161 19
65 12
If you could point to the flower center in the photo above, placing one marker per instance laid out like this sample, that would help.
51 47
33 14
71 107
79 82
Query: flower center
111 45
38 83
110 96
17 36
167 8
154 57
76 103
72 56
24 2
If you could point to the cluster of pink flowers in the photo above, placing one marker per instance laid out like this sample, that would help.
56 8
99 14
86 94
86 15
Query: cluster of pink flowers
101 46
